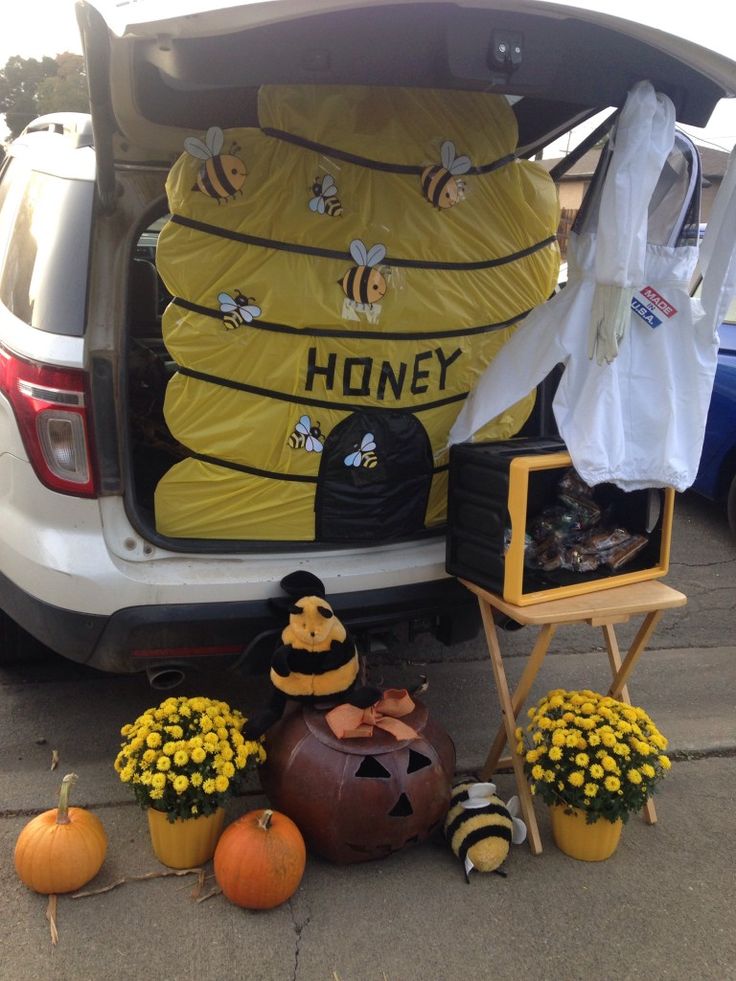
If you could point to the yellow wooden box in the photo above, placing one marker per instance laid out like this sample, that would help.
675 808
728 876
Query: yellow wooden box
522 471
497 489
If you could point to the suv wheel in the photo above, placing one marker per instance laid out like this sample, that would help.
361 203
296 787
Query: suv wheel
731 506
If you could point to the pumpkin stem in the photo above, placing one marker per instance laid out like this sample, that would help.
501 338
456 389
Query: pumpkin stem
264 821
62 812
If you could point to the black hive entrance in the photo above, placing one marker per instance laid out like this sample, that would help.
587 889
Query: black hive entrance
385 495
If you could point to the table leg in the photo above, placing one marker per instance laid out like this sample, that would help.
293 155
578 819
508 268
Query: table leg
521 692
509 723
621 691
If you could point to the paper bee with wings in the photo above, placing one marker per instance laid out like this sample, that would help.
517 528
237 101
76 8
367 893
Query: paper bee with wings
440 184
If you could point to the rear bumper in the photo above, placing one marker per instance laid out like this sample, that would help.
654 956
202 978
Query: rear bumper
134 638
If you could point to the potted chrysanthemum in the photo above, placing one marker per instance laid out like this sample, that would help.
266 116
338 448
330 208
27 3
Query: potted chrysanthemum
183 760
593 760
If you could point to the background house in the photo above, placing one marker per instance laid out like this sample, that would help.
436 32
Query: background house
573 185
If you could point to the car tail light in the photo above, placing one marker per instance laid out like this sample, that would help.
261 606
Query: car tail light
50 406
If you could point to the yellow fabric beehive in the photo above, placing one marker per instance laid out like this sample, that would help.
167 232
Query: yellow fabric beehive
334 306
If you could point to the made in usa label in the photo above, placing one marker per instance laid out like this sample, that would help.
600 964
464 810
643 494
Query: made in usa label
652 307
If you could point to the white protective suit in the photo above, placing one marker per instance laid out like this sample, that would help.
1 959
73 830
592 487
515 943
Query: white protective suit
637 418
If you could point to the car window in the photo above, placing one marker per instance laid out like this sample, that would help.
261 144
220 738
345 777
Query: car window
43 279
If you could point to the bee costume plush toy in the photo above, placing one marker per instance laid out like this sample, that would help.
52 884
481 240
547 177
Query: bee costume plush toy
317 660
480 828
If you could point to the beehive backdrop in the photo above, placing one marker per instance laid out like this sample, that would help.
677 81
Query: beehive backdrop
341 276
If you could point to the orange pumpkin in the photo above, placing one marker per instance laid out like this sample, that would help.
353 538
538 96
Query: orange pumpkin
61 849
260 859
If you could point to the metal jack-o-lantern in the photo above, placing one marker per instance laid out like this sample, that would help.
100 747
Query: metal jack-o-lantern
358 799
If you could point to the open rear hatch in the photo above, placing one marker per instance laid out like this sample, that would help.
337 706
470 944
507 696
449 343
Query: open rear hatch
158 81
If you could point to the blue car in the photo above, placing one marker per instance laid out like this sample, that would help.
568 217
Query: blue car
716 479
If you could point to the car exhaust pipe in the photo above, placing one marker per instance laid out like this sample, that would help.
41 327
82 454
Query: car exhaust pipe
164 677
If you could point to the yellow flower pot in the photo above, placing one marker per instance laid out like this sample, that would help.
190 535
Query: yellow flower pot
184 844
578 839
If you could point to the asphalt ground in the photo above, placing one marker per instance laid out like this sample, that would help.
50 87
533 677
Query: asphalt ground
661 908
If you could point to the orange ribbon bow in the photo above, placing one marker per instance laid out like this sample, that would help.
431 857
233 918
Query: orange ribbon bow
351 722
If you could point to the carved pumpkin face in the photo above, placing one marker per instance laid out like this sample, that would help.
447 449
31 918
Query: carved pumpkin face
359 799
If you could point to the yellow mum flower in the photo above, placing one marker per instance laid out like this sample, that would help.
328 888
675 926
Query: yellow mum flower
210 741
156 794
609 763
596 771
126 730
590 789
612 784
176 732
163 763
149 756
572 739
559 737
198 755
633 775
226 751
648 770
594 739
209 786
196 779
555 754
181 783
537 772
582 759
181 757
576 778
221 783
228 770
664 762
549 776
608 738
158 780
170 748
532 755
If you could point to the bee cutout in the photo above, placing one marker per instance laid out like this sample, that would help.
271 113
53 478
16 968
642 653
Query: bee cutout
221 175
237 310
363 283
306 436
325 200
363 455
480 828
439 184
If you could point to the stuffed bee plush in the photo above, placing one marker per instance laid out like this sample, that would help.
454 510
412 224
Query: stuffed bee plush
317 660
480 828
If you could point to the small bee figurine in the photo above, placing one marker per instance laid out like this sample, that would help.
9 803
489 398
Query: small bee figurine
362 282
438 181
364 455
221 175
325 200
238 310
480 828
306 436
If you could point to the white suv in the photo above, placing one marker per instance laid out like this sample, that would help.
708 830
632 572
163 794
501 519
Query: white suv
83 368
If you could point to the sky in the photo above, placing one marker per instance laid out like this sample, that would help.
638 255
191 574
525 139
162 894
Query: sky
33 28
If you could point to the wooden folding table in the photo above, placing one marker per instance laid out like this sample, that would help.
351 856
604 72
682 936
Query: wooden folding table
597 609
